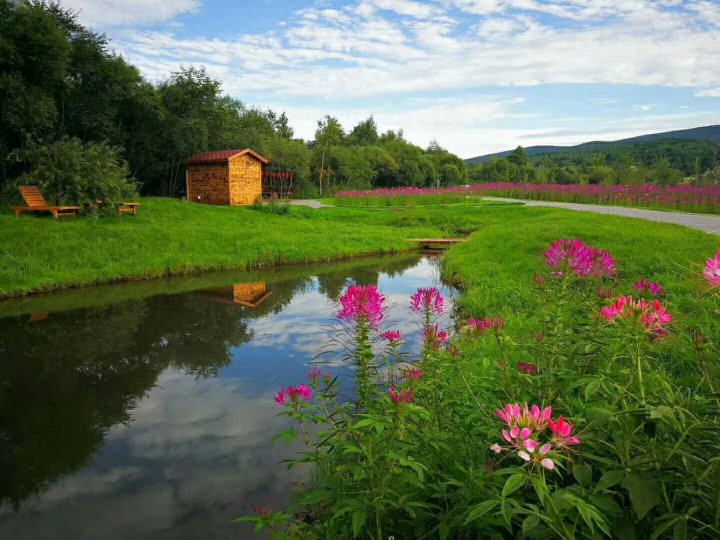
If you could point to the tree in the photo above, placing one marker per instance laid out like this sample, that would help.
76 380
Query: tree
70 172
364 133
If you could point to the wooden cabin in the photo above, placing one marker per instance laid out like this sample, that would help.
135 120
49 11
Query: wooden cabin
225 177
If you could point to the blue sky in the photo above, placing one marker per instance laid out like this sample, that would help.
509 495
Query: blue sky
477 75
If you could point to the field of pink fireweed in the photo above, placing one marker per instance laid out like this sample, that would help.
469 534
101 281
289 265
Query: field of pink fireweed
684 198
604 422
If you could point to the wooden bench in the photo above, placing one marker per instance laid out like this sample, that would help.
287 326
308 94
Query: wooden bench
121 207
436 243
35 202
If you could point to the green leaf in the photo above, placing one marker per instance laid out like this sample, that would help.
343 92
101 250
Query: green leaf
680 530
592 387
644 493
358 520
513 483
530 524
582 473
286 435
609 479
480 510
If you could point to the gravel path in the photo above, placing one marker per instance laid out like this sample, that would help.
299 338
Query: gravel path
703 222
312 203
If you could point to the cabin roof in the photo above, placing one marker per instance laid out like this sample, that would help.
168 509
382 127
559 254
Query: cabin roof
221 156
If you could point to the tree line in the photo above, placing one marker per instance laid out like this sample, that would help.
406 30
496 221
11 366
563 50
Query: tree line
665 162
68 104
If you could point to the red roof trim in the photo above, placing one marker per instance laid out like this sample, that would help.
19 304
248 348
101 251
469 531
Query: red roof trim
221 156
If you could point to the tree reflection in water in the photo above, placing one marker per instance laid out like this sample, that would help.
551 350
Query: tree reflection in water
80 386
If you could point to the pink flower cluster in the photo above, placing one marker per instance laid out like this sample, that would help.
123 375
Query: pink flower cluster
434 337
648 286
293 394
579 259
391 336
712 271
488 323
529 369
398 396
526 426
413 374
427 300
315 373
651 314
362 302
684 196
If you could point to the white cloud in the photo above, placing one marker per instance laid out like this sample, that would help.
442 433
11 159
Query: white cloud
709 92
127 12
388 52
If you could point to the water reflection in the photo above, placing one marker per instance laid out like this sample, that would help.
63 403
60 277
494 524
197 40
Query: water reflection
144 411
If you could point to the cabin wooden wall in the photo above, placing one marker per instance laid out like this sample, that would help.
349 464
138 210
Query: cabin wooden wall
208 184
245 179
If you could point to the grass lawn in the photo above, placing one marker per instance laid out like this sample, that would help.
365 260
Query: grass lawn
173 237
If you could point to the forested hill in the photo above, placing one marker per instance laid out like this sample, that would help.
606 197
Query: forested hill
705 133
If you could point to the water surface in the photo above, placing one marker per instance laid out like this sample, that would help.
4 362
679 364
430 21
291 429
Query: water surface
145 410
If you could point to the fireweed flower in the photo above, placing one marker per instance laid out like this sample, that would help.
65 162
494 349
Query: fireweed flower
392 336
362 302
428 301
712 271
529 369
575 257
651 314
404 395
648 286
434 337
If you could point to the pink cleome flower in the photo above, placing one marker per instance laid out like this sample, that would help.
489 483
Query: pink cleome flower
561 431
362 302
652 315
531 417
712 271
434 337
314 373
404 395
262 511
413 374
579 259
648 286
488 323
391 336
529 369
293 394
427 300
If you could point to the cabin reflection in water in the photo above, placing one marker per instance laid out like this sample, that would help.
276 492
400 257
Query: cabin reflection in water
249 295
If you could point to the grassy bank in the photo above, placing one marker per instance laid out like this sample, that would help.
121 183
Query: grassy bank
170 237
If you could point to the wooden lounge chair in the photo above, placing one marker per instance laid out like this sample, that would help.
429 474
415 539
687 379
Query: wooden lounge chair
35 202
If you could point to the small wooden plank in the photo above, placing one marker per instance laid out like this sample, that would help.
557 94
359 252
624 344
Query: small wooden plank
436 242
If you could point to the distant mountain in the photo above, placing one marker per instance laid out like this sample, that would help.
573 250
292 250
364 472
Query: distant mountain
706 133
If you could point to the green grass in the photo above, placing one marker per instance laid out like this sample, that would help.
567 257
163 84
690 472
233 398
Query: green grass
495 267
170 237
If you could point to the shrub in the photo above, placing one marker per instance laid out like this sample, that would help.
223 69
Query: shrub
602 424
70 172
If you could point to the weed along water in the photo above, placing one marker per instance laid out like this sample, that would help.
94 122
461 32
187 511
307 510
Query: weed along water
145 410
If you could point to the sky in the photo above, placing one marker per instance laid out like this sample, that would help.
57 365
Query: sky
478 76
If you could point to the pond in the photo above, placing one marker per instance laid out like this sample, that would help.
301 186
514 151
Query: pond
145 410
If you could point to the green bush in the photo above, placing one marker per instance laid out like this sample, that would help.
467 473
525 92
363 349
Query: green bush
70 172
